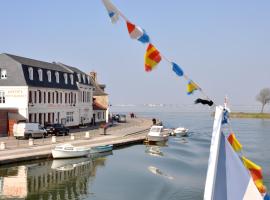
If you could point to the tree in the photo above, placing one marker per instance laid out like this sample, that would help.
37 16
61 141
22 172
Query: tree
264 97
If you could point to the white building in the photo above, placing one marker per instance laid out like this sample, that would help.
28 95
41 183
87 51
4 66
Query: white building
45 92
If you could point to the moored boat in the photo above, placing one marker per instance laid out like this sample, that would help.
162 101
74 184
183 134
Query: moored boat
180 131
157 134
101 149
69 151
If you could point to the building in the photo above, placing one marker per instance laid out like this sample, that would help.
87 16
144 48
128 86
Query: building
100 100
46 92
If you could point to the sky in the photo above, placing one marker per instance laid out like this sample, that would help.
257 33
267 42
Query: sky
222 45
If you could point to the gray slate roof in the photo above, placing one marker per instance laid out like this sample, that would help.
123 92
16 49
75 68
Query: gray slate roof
37 63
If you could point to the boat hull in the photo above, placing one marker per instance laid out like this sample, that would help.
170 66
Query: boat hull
157 138
70 154
101 149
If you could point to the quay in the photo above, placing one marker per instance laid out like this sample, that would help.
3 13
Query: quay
121 134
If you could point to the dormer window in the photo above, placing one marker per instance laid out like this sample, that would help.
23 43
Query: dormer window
30 71
71 79
66 78
57 77
79 77
40 77
83 78
49 76
3 73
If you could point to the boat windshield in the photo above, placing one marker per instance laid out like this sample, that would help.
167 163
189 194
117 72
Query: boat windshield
156 129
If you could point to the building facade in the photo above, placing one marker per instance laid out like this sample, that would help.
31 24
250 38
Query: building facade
46 92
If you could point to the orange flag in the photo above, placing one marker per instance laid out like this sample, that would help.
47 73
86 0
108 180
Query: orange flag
151 58
256 173
236 145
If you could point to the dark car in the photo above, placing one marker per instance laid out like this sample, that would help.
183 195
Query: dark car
119 118
56 129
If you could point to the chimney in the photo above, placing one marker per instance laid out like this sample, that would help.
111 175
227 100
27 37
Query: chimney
94 75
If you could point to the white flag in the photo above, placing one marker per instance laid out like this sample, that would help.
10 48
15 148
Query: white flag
112 10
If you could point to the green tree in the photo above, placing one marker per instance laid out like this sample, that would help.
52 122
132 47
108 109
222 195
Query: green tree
264 97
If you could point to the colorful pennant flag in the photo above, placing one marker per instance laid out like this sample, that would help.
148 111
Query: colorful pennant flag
236 145
137 33
112 11
191 87
151 58
256 173
177 69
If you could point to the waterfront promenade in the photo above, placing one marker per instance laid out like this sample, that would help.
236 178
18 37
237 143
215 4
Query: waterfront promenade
133 131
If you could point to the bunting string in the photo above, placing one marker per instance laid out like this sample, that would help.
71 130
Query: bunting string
153 57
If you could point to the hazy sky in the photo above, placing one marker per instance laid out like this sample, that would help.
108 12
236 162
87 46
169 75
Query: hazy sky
222 45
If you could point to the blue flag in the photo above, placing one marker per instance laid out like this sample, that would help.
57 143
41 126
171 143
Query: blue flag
177 69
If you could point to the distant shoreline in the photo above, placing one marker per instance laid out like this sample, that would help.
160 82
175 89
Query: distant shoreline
250 115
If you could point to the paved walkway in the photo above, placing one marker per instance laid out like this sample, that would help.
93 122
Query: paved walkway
120 134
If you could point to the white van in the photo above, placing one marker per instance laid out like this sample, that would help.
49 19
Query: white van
28 130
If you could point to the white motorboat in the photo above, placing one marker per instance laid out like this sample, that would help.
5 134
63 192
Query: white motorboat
180 131
157 134
69 151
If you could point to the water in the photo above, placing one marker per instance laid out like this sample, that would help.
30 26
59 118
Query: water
176 171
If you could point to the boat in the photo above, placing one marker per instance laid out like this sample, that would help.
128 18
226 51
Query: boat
157 134
69 151
180 131
101 149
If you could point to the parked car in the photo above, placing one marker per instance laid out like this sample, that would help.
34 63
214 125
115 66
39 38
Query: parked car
28 130
119 118
57 129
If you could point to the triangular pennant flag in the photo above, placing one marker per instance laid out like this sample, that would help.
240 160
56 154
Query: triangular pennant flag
151 58
112 11
256 173
177 69
136 32
236 145
191 87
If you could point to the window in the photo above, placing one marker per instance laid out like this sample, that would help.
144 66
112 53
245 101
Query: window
30 97
74 98
3 74
57 77
49 97
83 78
99 115
66 78
57 97
79 77
49 74
65 97
61 97
35 97
88 79
39 96
44 97
52 97
30 71
40 77
71 79
2 97
69 117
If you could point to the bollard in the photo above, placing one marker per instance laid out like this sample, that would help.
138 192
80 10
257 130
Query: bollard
72 136
3 145
53 139
31 142
87 135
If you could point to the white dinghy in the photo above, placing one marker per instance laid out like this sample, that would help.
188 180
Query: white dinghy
69 151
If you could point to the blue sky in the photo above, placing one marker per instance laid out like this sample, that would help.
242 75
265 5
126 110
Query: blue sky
222 45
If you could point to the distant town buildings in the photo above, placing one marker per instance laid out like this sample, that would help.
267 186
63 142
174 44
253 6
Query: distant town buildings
43 92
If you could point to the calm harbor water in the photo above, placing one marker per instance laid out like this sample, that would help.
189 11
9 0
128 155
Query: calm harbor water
175 171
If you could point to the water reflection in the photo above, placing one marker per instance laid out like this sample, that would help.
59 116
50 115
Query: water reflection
154 151
157 171
49 179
